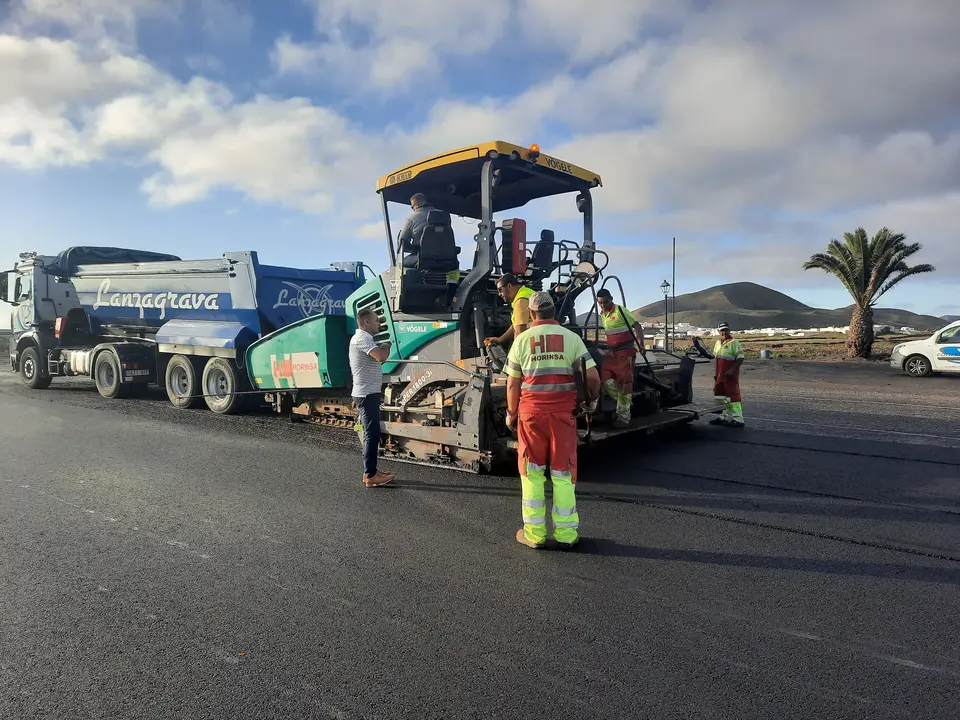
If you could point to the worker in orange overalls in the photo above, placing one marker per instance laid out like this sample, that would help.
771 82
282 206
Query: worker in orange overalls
541 399
726 378
623 332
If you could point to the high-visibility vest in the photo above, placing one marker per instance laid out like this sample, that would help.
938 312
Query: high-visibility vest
524 293
730 350
546 357
619 333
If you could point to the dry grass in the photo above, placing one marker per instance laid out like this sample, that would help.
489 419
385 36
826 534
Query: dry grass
822 346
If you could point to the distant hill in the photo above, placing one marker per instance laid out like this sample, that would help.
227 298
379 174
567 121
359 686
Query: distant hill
951 318
746 305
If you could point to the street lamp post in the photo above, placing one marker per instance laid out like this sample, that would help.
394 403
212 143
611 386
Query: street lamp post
665 289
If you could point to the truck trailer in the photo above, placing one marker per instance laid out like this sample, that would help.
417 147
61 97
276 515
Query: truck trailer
128 318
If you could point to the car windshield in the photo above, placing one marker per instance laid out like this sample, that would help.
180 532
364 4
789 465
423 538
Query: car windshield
951 335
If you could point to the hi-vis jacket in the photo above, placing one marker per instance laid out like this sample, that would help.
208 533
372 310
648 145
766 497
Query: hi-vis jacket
518 318
619 333
546 357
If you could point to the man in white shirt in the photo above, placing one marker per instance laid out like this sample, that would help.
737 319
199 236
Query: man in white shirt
366 357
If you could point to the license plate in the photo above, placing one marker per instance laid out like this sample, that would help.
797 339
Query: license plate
137 373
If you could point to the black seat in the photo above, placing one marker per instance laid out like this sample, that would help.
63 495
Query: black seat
438 247
541 264
423 286
542 257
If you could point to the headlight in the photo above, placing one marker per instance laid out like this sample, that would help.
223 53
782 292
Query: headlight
896 348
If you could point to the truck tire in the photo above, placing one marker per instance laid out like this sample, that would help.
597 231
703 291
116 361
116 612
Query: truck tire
182 382
222 379
917 366
106 373
30 369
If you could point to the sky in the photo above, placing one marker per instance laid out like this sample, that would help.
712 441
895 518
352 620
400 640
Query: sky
752 132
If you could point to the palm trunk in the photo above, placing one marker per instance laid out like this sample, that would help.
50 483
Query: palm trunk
860 335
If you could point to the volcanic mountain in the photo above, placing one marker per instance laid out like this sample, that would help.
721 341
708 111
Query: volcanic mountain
746 306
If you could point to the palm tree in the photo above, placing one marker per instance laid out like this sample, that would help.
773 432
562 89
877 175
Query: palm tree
868 269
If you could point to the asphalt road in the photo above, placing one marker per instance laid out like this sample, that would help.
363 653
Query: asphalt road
171 564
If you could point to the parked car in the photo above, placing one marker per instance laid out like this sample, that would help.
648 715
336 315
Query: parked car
939 353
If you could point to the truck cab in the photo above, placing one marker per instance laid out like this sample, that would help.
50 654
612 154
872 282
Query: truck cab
939 353
36 301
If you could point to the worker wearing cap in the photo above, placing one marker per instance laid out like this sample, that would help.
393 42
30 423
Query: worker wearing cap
623 334
726 378
541 400
518 296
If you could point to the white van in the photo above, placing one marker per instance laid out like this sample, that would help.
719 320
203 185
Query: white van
939 353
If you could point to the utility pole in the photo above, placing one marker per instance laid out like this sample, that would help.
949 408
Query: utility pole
674 283
665 289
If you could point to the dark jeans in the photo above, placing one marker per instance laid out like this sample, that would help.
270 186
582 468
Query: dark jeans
369 410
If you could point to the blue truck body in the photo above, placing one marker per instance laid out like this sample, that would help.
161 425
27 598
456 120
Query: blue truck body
178 298
71 307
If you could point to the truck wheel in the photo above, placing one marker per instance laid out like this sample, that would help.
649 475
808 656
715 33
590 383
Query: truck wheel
221 381
106 373
917 366
30 370
182 382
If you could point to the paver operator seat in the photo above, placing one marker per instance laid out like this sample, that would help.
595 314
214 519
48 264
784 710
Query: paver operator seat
423 286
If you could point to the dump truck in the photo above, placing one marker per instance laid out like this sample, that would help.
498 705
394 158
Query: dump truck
444 394
128 318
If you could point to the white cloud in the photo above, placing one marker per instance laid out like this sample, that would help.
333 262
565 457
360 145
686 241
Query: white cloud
31 139
589 32
372 231
52 74
90 19
776 125
389 46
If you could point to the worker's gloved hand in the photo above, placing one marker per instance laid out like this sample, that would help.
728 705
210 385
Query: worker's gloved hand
511 421
491 341
590 406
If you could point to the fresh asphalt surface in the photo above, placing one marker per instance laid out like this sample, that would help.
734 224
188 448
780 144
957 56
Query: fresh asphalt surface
158 563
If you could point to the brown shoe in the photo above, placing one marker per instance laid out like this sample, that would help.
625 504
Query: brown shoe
381 478
523 540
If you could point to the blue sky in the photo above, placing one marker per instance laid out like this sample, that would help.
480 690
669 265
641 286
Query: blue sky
751 133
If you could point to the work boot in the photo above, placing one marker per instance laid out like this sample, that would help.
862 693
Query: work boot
619 422
524 540
720 421
381 478
568 546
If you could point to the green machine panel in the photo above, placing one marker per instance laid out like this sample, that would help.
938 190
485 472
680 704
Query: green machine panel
311 353
407 337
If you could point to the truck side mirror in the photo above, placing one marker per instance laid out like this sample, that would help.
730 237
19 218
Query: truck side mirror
5 288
